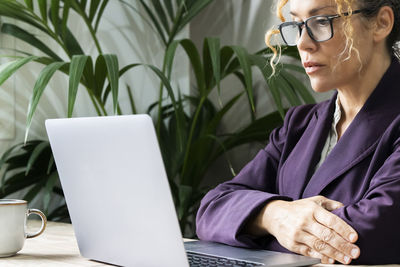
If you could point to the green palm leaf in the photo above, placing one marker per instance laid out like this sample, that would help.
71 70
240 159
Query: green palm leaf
83 4
3 161
161 14
29 38
213 124
33 192
18 182
226 58
245 63
55 19
15 10
185 194
48 190
195 61
194 10
213 45
41 83
169 58
154 20
94 5
170 9
43 9
265 69
258 130
100 14
177 106
8 69
100 76
29 3
300 88
76 68
196 64
64 22
287 90
131 100
113 77
35 155
72 45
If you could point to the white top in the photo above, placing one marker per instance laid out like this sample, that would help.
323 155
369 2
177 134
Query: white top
332 139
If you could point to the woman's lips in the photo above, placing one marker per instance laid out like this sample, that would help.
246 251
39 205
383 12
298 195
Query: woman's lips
312 67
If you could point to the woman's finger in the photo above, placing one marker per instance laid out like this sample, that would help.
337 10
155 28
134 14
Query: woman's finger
335 223
305 250
323 248
330 237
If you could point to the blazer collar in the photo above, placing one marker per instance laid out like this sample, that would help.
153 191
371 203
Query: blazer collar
363 134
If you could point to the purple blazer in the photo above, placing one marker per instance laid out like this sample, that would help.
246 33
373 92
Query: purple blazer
362 171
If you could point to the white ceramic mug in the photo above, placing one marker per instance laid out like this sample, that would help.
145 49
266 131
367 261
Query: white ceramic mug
13 216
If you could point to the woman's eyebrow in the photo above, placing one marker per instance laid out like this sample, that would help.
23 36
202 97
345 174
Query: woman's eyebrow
313 11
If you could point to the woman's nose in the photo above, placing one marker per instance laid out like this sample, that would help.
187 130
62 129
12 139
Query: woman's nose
305 42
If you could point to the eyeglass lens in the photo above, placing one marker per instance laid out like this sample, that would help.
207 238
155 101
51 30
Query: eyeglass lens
319 29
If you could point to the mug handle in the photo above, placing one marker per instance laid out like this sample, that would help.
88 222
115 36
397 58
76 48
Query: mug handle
44 222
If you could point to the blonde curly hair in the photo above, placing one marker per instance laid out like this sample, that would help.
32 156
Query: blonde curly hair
370 9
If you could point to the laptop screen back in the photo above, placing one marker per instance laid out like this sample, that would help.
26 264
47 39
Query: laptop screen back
117 190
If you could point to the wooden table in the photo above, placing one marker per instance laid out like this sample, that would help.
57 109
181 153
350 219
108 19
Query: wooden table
57 247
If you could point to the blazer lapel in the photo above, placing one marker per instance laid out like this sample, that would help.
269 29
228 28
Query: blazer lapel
301 162
363 134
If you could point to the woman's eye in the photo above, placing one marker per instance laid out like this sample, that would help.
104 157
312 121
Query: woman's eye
322 22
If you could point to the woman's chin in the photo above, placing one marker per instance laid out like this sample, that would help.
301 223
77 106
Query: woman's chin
321 87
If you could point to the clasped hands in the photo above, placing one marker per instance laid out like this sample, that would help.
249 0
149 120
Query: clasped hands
308 227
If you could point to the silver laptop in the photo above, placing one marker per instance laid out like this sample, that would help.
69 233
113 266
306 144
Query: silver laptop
119 199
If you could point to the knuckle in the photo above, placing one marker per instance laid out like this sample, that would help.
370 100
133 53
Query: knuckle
302 224
319 245
319 199
292 233
342 246
310 210
296 235
327 235
304 251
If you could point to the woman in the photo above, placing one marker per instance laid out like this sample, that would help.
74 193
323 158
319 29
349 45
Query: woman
328 183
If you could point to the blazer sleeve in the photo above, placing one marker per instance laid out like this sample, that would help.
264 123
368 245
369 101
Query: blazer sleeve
376 217
226 209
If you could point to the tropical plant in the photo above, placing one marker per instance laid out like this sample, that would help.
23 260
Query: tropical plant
191 141
30 165
187 126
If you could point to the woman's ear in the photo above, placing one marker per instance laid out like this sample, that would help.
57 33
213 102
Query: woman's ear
384 23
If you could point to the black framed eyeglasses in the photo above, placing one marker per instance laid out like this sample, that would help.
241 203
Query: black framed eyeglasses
319 28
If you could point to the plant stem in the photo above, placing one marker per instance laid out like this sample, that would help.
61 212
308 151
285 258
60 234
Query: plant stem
175 24
51 33
96 104
89 25
102 107
170 39
160 97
